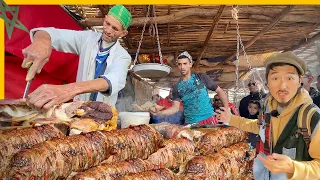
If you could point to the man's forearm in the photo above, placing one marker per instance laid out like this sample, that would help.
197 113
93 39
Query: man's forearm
168 111
223 98
96 85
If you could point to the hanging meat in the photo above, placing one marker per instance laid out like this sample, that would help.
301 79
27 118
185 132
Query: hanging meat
159 174
113 171
229 163
172 155
13 141
216 140
58 158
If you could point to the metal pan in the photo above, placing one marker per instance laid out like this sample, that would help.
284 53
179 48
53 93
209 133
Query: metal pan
152 70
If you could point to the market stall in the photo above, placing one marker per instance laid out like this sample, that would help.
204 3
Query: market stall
38 149
94 140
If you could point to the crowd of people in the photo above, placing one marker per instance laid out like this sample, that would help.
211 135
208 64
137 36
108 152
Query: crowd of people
283 125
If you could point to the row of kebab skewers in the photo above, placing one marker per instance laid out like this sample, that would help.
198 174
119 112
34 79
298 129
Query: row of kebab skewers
138 152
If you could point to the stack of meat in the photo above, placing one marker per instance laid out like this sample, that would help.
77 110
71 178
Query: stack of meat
172 155
232 162
137 152
217 139
13 141
58 158
159 174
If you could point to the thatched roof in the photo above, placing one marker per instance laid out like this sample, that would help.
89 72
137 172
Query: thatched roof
209 33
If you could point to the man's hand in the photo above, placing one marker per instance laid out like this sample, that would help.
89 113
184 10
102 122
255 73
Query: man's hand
37 54
47 96
278 163
224 115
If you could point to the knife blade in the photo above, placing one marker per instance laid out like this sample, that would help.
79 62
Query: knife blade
26 90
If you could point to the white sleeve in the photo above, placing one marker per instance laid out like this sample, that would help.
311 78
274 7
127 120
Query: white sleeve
64 40
117 75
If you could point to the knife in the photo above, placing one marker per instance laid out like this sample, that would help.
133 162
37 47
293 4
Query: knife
26 90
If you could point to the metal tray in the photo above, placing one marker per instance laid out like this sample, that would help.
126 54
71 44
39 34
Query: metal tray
152 70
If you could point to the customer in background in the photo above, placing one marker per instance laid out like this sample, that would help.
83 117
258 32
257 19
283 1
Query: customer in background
253 108
256 93
163 104
217 103
307 79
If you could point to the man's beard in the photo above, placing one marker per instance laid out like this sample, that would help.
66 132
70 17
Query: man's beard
285 104
112 40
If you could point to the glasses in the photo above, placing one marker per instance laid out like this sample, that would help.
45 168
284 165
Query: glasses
217 100
253 84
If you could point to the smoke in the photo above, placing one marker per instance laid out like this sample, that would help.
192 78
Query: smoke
126 97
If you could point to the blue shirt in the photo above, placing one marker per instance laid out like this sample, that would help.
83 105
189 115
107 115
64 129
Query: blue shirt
101 65
196 102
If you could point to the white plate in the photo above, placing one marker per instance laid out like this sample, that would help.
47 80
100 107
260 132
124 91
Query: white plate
152 70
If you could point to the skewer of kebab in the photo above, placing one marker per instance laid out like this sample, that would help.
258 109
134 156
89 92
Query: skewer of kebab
174 154
159 174
229 163
216 140
112 171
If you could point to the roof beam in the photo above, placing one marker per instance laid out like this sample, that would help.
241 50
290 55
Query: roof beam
274 22
102 10
201 12
160 19
209 35
304 42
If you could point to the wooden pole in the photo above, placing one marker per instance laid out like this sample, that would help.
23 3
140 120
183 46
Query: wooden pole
168 27
160 19
102 10
209 35
304 42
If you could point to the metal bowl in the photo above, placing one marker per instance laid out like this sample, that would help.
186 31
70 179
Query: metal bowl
152 70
